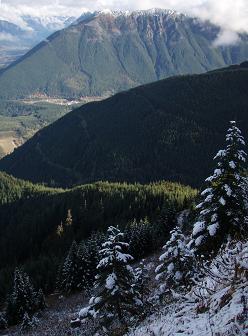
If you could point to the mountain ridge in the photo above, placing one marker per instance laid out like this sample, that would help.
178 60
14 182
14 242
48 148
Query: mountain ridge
163 130
101 54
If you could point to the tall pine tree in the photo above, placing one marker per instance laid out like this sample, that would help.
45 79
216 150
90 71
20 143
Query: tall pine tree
115 291
85 277
69 275
223 209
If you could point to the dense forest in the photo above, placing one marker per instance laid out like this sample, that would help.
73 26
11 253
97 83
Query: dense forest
165 130
197 285
33 219
125 212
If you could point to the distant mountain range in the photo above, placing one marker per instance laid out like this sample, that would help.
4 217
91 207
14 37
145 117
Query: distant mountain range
168 130
16 40
106 52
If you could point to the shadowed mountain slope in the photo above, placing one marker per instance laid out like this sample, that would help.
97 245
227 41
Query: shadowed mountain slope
165 130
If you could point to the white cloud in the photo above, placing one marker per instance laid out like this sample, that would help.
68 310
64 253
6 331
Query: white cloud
6 37
231 16
226 37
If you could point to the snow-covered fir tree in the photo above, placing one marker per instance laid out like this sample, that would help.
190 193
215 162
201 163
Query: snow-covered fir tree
69 275
176 263
115 295
223 209
22 299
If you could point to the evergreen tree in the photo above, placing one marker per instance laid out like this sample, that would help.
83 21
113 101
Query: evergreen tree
69 274
176 267
40 300
22 298
94 244
142 280
223 209
115 294
140 236
85 277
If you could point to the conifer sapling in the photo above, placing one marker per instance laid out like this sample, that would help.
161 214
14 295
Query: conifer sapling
176 267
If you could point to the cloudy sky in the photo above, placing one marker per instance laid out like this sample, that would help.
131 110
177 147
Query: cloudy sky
231 15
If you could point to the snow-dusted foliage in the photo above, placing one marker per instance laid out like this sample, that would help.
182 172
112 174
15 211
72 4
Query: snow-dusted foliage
215 305
79 268
85 276
223 210
28 323
69 274
115 295
141 283
91 259
3 321
176 263
22 299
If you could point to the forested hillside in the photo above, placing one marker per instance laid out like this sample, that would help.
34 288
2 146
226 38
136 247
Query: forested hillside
106 52
33 226
165 130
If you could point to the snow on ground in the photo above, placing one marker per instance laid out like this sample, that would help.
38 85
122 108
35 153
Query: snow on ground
176 319
182 318
55 320
217 305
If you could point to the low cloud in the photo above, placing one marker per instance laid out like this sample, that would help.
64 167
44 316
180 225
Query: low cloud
6 37
230 15
226 37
